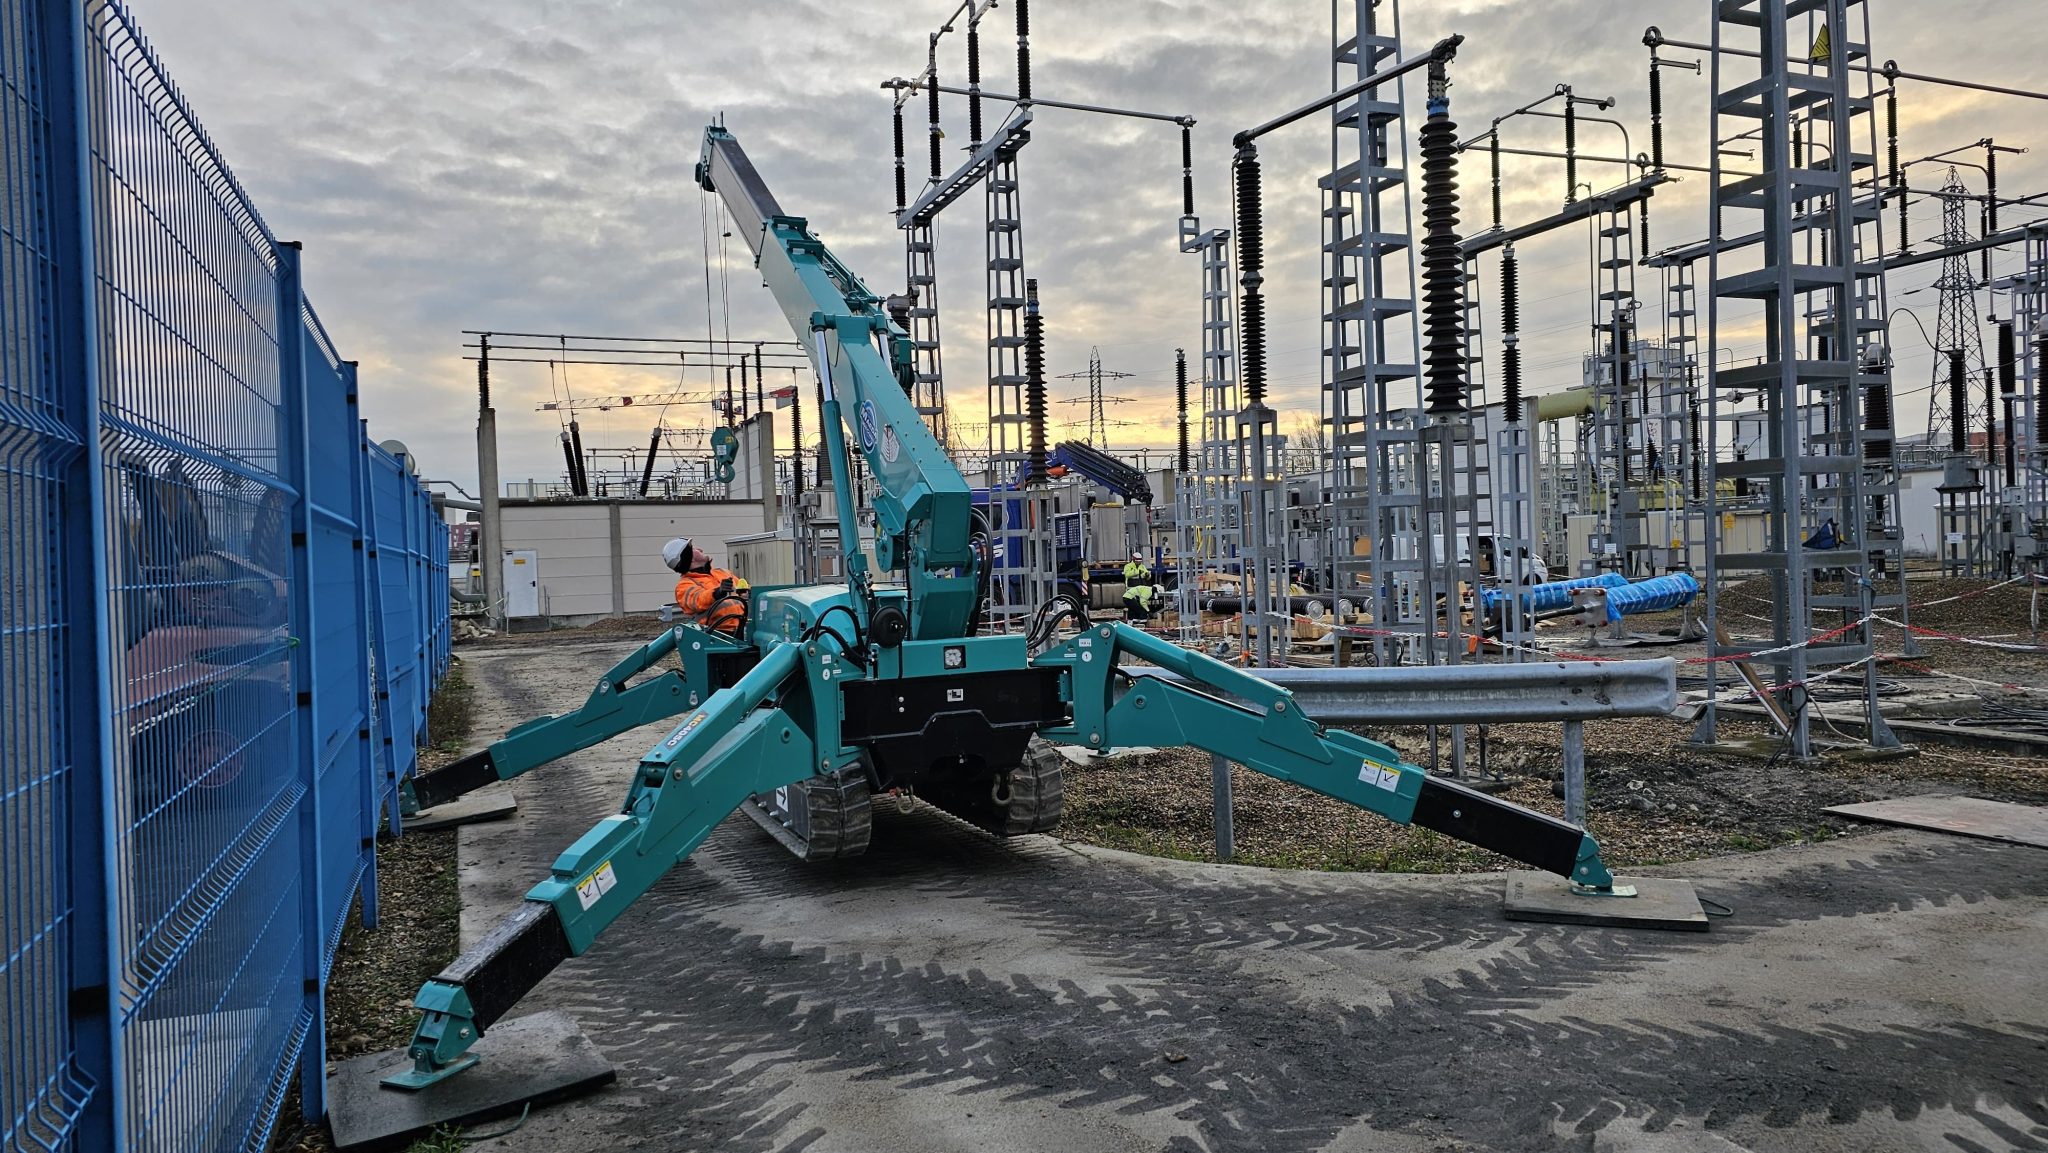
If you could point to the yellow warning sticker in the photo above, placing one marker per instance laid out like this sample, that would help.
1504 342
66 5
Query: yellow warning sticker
1821 48
596 885
1380 776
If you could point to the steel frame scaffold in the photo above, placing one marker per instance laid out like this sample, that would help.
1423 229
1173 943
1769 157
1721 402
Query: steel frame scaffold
1826 548
1372 388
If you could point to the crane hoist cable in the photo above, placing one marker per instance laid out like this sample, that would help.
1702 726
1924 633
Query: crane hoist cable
704 229
724 281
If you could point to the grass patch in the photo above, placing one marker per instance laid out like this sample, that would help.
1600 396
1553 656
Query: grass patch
452 712
446 1139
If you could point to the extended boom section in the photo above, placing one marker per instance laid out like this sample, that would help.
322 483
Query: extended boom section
710 661
922 505
741 742
1114 706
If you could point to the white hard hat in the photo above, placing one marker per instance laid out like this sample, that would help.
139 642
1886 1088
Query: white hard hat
675 554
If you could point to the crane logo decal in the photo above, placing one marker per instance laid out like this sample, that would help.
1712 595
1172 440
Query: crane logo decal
869 425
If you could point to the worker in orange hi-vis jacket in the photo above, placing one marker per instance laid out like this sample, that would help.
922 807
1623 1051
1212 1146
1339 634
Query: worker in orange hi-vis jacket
711 596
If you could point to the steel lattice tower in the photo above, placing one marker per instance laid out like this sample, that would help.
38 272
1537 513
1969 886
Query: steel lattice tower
1819 200
1372 385
1956 324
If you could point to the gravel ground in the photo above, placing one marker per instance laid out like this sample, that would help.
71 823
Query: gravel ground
646 626
376 973
1652 798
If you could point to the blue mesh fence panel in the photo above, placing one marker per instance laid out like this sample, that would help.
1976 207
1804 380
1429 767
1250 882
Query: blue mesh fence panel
205 792
42 430
188 779
340 704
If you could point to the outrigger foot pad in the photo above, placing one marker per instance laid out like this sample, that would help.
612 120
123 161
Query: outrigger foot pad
1657 903
531 1060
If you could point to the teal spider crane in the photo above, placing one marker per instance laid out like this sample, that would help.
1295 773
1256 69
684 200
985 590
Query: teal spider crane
832 693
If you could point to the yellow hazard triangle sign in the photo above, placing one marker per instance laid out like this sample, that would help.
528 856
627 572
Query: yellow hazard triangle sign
1821 50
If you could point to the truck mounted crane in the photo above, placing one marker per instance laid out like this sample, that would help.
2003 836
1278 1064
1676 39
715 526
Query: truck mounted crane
832 693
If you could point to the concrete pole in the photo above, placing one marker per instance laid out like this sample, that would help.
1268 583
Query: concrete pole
490 539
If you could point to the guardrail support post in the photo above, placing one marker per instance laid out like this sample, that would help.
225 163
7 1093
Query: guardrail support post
1226 832
1575 772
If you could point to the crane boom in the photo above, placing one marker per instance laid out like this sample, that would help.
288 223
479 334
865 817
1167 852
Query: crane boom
923 506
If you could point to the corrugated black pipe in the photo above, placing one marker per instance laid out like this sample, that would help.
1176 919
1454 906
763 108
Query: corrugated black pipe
974 85
2008 394
1571 151
1990 200
1023 49
902 192
1958 403
932 105
1511 335
796 441
1493 160
1877 418
1991 419
1251 263
1034 381
1180 400
1443 271
1693 417
582 474
647 470
2040 401
1656 112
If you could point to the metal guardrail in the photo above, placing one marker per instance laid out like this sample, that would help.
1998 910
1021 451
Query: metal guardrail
1476 694
1569 693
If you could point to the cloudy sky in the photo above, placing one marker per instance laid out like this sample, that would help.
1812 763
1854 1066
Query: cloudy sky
526 165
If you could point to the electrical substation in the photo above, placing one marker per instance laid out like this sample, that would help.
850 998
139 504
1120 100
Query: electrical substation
1182 578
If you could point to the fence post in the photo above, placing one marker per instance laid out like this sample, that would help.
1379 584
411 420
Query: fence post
87 861
369 781
295 440
384 743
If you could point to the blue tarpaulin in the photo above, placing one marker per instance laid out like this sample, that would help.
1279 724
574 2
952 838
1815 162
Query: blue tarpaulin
1554 595
1653 595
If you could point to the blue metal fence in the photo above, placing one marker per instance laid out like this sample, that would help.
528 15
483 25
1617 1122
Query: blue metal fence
222 612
